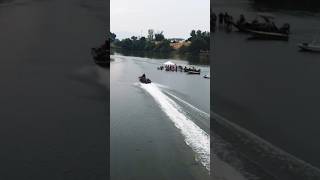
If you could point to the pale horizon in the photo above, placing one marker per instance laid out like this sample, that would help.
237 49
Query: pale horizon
176 18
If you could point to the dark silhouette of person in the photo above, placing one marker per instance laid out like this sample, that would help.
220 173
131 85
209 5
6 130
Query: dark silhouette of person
221 17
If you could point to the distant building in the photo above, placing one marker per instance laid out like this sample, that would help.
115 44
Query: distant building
175 40
178 44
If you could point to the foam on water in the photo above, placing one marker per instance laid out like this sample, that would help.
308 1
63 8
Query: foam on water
190 105
195 137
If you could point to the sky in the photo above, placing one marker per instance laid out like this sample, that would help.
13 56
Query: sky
176 18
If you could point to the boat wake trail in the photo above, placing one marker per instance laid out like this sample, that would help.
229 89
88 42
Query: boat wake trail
195 137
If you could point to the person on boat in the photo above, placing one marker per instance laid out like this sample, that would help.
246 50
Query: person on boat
274 27
242 20
285 28
143 77
229 24
221 18
213 21
144 80
226 18
255 22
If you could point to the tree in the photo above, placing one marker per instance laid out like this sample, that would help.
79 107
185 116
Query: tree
193 34
159 36
126 44
111 36
134 38
200 41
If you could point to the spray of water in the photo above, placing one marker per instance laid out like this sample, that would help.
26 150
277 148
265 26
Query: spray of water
195 137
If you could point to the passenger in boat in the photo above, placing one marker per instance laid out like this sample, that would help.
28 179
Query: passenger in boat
242 19
285 28
255 22
274 27
144 80
213 21
221 16
229 23
226 18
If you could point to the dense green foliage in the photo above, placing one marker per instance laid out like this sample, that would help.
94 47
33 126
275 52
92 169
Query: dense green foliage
199 41
111 37
159 36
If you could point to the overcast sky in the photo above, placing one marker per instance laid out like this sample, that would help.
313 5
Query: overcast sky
175 17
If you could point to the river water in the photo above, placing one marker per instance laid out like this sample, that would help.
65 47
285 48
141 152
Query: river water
270 89
158 130
53 115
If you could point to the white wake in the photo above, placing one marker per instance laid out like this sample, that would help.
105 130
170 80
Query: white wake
195 137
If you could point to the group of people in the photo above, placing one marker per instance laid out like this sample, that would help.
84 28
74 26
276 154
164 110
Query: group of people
224 19
170 67
176 68
227 21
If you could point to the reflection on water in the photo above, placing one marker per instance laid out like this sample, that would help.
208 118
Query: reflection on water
196 59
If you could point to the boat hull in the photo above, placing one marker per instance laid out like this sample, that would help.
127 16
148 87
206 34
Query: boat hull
268 35
263 35
194 72
144 80
308 47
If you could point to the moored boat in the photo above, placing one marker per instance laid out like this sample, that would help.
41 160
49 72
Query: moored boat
268 35
309 47
263 30
193 72
206 76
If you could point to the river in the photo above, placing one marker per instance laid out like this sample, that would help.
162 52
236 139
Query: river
268 90
53 97
159 130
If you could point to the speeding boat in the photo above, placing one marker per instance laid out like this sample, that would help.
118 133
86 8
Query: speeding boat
144 80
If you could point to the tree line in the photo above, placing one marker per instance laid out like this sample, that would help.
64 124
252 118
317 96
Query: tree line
197 42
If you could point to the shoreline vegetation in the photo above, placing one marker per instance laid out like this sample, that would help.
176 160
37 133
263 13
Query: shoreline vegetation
198 43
